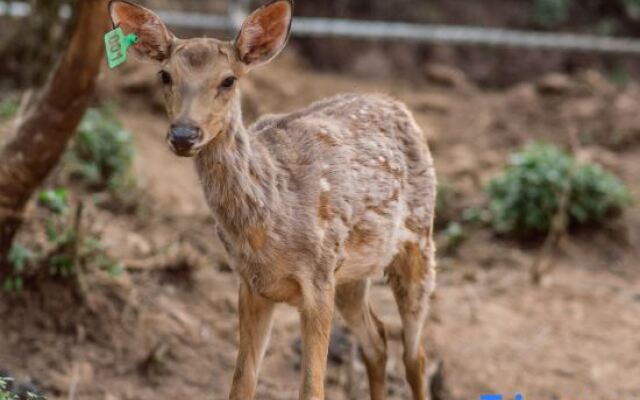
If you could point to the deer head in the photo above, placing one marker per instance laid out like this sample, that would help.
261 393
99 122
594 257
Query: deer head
200 76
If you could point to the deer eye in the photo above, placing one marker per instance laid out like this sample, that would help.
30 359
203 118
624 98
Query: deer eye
228 82
165 78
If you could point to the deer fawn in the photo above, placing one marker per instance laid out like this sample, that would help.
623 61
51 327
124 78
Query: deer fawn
309 205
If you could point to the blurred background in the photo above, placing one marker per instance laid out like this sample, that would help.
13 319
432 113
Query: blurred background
114 285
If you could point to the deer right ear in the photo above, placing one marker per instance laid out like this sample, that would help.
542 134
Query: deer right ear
264 33
154 39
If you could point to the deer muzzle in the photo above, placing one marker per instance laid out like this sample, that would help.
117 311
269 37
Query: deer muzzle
183 138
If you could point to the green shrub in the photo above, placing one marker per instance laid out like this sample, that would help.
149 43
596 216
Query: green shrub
101 154
525 197
549 13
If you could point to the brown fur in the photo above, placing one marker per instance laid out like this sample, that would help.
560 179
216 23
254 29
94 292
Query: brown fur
309 205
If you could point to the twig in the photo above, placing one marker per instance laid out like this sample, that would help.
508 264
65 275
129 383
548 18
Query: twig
75 249
77 232
543 264
74 383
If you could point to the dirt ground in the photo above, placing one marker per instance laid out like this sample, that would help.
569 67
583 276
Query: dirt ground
167 328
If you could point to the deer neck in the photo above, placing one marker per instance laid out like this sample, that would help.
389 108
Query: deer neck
237 175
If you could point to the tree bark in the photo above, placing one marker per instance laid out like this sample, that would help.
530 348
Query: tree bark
50 121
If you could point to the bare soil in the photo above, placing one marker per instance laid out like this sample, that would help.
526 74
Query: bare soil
167 327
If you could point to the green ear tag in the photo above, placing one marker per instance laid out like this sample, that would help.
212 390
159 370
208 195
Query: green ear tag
117 44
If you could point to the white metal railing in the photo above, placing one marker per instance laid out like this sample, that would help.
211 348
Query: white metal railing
325 27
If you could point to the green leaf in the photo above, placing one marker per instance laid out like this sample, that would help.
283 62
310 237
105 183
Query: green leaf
115 269
57 200
19 256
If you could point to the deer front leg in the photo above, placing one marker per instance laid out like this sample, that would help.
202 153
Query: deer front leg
256 314
315 317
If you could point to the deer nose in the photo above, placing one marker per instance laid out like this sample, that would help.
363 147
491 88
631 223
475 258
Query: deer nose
184 134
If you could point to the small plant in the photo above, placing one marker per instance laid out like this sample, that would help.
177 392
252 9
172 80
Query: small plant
61 234
67 246
95 249
548 13
19 257
525 198
101 154
6 393
455 235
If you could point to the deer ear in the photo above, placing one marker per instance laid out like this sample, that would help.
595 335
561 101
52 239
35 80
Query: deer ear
154 39
264 33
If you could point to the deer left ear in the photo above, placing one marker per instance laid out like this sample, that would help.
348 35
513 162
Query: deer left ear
154 38
264 33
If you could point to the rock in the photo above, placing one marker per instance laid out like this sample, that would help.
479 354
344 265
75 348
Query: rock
139 245
446 76
555 84
522 93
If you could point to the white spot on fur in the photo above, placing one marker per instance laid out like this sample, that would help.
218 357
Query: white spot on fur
324 184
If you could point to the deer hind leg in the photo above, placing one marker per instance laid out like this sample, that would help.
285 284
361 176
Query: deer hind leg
352 302
411 276
256 315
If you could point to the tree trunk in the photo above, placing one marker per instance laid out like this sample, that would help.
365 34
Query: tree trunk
50 121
